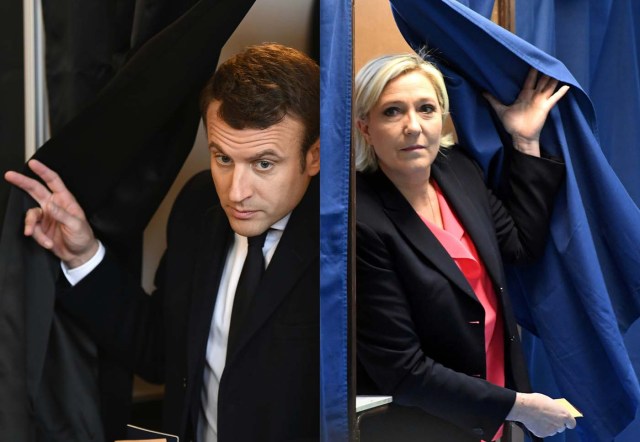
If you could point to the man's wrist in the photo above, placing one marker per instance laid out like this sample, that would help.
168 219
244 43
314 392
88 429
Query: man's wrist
83 258
76 274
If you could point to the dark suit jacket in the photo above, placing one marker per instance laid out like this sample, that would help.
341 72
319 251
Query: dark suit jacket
420 326
270 387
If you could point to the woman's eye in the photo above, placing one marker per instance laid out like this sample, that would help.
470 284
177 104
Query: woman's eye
427 108
391 111
223 160
263 165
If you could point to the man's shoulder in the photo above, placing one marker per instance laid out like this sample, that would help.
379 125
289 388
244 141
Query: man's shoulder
195 199
199 190
308 209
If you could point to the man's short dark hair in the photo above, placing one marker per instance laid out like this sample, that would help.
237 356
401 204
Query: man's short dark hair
258 87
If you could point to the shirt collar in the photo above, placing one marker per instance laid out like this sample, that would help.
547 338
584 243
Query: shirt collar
282 222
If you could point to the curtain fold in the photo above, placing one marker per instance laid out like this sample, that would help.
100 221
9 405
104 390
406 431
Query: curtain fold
599 41
12 133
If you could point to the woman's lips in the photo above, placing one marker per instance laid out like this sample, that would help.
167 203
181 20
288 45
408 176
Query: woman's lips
412 148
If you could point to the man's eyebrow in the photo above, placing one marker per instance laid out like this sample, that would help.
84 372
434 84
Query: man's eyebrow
255 157
265 153
214 145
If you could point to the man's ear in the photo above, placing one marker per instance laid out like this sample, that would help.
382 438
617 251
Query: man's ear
363 126
313 159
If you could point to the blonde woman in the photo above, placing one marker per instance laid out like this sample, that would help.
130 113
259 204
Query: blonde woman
435 326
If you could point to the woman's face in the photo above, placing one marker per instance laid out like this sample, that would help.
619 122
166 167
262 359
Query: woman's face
404 126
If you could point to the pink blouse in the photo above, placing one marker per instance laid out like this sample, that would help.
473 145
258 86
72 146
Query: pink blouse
460 247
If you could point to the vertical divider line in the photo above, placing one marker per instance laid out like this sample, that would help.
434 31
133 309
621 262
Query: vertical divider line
35 121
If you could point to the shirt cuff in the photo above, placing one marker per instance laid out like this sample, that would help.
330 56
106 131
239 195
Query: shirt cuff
77 274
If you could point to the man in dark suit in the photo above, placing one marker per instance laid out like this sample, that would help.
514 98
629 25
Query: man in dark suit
238 365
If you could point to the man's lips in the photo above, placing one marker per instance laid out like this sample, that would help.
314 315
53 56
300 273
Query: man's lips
241 213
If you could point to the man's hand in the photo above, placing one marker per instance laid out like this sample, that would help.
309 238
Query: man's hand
540 414
59 223
525 117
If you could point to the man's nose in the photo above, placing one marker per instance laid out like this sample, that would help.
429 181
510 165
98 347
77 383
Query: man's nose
241 187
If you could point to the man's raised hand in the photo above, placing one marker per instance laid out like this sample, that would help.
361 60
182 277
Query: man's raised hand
59 223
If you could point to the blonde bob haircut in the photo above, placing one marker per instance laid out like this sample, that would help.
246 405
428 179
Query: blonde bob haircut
369 84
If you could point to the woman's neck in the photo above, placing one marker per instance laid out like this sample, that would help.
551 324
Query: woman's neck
420 193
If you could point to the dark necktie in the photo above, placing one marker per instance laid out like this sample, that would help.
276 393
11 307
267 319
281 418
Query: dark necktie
250 276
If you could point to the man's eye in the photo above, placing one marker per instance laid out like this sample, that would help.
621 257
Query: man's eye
391 111
223 160
263 165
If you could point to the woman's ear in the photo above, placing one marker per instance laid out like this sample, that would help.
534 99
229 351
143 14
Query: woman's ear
363 126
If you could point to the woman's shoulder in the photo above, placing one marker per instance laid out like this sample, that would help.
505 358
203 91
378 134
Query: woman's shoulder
455 154
367 186
458 157
365 181
369 200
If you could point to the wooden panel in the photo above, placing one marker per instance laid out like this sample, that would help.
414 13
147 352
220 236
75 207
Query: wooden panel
504 14
375 32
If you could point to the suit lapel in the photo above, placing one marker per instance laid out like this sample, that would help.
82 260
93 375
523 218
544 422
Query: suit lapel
296 251
476 225
210 260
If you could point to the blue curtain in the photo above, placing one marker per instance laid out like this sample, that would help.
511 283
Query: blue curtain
584 291
482 7
599 41
335 133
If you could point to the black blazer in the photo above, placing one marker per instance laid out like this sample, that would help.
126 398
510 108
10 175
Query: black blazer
270 387
420 326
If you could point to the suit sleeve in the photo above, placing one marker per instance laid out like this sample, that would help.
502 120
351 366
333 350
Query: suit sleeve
125 321
394 358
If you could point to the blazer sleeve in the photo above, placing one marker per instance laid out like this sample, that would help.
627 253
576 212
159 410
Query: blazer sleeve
391 353
521 219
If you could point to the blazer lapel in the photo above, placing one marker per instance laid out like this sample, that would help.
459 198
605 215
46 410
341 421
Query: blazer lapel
476 225
296 251
416 232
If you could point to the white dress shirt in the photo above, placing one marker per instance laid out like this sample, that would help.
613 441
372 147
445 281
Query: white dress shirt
220 322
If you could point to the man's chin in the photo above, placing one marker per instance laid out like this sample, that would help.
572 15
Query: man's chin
248 228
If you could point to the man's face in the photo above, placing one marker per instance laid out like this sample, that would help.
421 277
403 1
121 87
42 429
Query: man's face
257 172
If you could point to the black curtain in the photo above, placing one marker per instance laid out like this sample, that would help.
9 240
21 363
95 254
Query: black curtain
87 42
118 146
11 94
